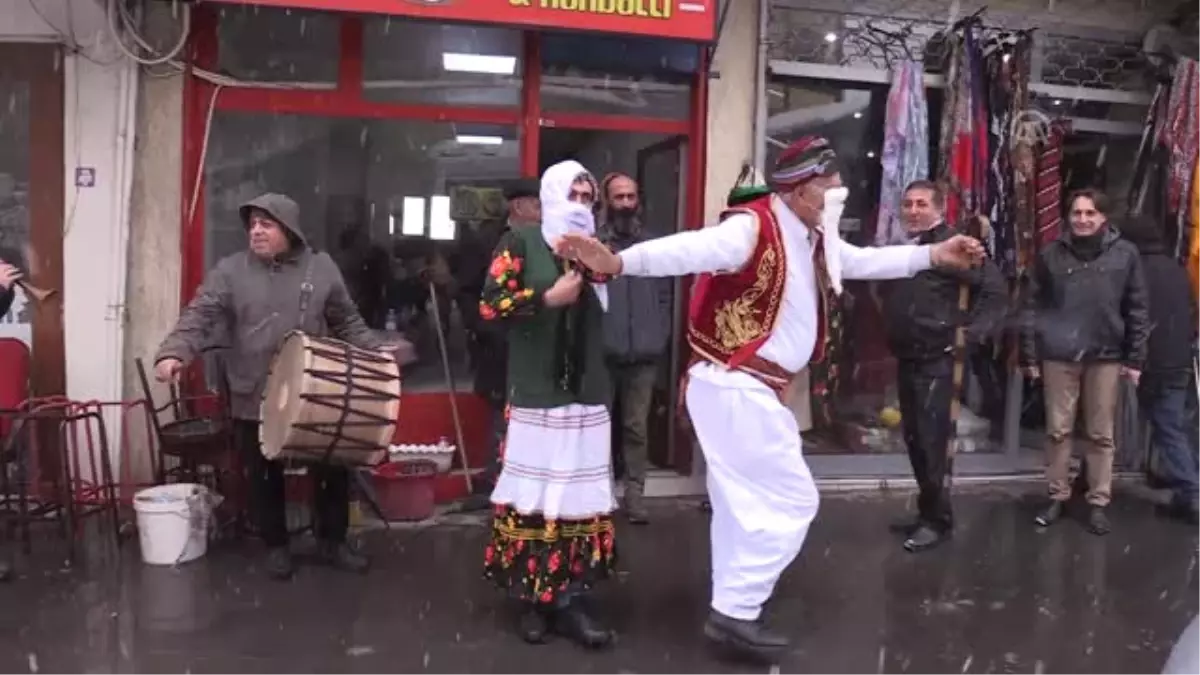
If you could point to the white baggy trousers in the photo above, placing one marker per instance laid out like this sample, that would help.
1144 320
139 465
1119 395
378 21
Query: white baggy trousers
762 493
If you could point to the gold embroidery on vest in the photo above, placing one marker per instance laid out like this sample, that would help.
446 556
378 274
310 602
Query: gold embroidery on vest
737 321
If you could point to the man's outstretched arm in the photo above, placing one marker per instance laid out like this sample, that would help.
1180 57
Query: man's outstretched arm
720 248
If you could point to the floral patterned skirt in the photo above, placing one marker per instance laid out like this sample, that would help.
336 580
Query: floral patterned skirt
544 561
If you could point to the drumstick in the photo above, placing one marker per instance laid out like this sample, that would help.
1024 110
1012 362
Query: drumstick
462 449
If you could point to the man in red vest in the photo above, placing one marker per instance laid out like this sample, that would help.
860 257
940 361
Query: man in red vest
767 272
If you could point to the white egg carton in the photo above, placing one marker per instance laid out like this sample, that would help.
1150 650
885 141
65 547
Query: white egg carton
441 454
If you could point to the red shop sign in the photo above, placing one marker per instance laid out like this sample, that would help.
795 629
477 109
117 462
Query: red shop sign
678 19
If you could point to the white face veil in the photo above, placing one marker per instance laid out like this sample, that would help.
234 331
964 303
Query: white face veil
560 215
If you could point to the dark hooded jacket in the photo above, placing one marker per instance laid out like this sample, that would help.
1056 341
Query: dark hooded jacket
1087 302
248 305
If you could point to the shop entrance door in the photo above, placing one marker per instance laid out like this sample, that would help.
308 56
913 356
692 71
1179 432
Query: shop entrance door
31 202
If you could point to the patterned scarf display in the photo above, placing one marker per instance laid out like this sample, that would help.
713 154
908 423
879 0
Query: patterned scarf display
1050 185
905 148
1007 66
963 140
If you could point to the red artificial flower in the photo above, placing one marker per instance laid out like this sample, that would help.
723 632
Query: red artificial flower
512 284
547 596
554 562
489 554
532 566
486 311
499 266
515 266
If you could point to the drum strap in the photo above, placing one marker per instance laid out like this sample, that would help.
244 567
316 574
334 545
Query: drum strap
306 290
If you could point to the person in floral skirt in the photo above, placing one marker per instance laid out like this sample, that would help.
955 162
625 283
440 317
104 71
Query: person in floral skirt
552 533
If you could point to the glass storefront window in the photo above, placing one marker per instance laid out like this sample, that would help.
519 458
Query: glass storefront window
617 75
441 64
278 45
863 397
426 195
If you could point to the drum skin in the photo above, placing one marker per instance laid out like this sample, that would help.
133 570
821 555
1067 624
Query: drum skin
326 400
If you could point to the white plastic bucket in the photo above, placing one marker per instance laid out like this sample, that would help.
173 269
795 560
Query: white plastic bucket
172 522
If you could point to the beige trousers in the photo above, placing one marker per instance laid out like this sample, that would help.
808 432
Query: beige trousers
1063 383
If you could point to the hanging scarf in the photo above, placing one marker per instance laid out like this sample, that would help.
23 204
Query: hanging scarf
1049 184
905 147
560 215
1181 137
963 139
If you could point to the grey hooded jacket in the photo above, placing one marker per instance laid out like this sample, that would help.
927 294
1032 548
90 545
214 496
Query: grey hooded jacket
249 304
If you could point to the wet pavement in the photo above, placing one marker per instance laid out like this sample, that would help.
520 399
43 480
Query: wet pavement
1002 597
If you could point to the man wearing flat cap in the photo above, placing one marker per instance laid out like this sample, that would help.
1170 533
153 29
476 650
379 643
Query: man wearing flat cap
488 339
766 275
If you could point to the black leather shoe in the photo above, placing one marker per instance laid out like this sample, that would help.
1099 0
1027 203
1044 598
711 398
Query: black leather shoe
341 557
532 626
279 563
1098 521
1049 515
924 538
905 526
746 639
574 622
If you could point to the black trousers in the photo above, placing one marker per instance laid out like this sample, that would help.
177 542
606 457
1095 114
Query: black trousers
926 389
267 499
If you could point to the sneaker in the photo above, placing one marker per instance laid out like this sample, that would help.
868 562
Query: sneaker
1050 514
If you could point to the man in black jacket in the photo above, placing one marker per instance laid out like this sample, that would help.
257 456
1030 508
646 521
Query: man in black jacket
489 342
922 315
9 276
637 330
1087 327
1167 376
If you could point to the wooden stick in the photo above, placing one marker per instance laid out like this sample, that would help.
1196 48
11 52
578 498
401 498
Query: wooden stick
458 432
979 229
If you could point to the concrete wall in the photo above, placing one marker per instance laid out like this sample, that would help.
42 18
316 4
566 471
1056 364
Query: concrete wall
98 83
731 103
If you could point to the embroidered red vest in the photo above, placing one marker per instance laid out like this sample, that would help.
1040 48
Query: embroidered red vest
732 314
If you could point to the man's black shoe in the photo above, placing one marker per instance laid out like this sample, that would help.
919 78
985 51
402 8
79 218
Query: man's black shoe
746 639
1098 521
532 626
340 556
925 538
1049 515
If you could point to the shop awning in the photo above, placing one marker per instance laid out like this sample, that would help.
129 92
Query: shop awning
694 20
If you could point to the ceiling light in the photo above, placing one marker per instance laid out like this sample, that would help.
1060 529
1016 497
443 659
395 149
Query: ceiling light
468 139
831 37
479 63
412 223
441 226
858 116
871 155
1058 101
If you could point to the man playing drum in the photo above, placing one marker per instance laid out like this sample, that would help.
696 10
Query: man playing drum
256 297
